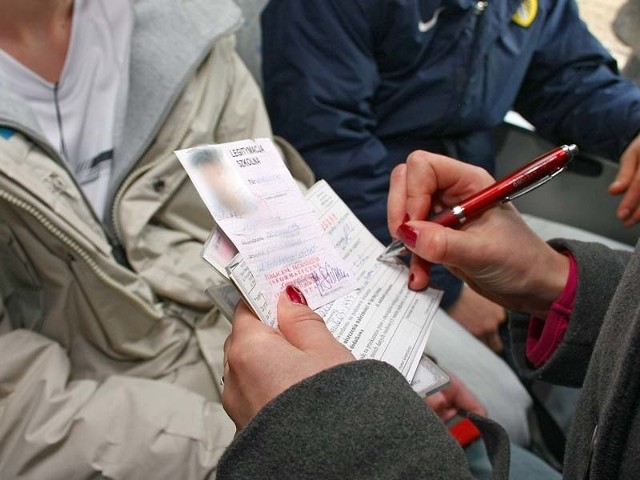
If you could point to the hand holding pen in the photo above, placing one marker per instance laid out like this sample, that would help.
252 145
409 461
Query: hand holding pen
497 254
532 175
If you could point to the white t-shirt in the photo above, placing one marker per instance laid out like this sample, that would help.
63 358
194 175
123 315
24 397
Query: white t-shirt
77 114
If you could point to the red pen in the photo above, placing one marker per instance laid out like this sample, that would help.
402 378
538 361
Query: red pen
532 175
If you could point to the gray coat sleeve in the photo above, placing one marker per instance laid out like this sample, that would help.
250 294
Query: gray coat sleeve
599 272
357 420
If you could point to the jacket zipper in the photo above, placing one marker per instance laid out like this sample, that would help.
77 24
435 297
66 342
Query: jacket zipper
51 152
73 245
481 6
129 179
112 220
125 184
467 70
472 36
592 446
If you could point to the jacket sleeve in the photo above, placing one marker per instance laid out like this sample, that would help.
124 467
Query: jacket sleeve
599 272
357 420
572 90
122 428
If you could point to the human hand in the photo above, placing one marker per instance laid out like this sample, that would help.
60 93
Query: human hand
261 362
480 316
454 399
628 182
496 253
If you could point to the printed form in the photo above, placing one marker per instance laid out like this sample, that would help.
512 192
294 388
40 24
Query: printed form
383 319
314 242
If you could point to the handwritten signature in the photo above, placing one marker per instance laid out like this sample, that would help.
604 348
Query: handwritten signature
327 277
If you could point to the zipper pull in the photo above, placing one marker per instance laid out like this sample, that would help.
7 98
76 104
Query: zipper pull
480 7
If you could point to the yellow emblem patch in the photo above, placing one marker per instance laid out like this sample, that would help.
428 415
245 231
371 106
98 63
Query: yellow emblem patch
526 13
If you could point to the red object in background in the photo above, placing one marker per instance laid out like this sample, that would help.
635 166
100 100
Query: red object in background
464 432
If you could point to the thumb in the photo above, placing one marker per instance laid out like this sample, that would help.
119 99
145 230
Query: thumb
441 406
301 326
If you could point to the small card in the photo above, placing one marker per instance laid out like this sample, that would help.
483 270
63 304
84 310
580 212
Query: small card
429 378
258 205
219 251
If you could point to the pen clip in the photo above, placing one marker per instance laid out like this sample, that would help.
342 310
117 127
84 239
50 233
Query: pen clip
533 186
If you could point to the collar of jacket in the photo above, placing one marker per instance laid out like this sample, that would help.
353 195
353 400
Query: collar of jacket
509 5
496 17
170 40
501 10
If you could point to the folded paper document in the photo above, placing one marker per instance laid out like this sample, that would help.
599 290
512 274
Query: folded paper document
269 235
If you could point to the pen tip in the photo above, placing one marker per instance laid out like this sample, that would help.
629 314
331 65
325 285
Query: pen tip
572 149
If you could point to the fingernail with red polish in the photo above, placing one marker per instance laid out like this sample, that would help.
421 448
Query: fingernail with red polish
408 235
295 295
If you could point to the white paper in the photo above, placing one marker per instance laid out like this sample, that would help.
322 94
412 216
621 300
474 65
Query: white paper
383 320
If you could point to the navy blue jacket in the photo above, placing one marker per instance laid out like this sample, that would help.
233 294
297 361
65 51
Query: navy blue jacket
356 85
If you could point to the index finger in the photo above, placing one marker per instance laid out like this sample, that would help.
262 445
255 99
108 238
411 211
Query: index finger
422 184
435 178
397 199
410 192
427 179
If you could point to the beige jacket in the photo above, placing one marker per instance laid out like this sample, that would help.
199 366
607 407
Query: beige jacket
109 370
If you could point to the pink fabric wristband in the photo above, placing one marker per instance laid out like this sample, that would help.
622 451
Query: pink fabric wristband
544 336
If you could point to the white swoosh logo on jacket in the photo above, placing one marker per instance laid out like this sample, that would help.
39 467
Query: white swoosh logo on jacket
429 24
